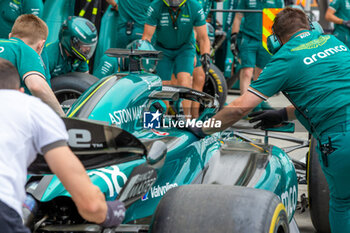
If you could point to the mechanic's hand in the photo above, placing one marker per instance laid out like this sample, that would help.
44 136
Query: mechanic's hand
205 60
268 118
234 46
198 132
113 4
115 214
346 23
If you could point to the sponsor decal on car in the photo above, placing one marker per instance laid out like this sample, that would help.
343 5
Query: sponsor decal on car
127 115
289 199
159 191
110 177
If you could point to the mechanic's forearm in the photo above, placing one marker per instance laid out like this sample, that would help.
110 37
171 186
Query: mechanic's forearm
46 95
330 16
227 116
204 44
291 112
237 23
41 89
87 197
148 32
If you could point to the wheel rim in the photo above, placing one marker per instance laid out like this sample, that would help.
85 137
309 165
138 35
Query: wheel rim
66 94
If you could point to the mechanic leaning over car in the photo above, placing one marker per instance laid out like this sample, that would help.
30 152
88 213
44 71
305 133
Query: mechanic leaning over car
338 13
76 45
174 22
313 70
23 50
11 9
252 54
25 120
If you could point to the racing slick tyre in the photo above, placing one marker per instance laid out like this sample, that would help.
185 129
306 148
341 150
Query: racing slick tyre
71 85
219 208
318 191
216 85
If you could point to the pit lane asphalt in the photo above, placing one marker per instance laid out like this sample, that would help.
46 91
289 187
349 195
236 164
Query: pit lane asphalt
303 219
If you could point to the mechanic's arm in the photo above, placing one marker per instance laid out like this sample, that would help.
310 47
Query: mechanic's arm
236 23
202 38
148 32
41 89
233 112
88 198
330 16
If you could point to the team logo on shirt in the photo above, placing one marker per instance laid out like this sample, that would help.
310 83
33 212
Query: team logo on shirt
312 44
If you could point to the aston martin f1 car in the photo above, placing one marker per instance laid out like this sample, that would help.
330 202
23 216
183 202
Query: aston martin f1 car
170 180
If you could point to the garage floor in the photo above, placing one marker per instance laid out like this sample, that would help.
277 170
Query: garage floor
303 219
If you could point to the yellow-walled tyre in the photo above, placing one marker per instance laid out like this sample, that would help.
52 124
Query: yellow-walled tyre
218 208
216 85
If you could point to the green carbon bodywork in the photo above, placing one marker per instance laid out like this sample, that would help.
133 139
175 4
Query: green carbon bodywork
116 98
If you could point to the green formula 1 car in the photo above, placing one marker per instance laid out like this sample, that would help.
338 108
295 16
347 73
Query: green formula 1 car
170 180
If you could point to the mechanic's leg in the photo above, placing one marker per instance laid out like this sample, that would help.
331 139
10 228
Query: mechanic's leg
173 80
257 72
165 68
198 83
245 79
185 79
249 47
338 179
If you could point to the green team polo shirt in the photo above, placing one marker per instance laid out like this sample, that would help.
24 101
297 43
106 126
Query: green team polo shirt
190 15
314 70
107 66
23 57
252 25
59 63
11 9
132 10
206 5
342 10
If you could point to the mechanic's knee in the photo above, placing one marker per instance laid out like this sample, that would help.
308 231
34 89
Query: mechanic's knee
184 79
198 76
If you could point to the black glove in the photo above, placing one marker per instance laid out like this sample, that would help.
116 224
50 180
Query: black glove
205 60
115 214
346 23
198 132
234 46
268 118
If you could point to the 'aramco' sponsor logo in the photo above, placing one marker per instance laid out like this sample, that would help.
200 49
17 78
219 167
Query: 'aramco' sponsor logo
159 191
325 53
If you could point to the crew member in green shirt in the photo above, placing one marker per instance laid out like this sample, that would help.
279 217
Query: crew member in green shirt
338 12
76 45
11 9
131 20
173 21
23 50
312 69
252 54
